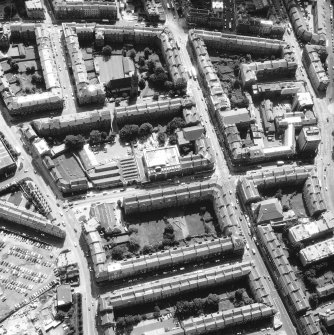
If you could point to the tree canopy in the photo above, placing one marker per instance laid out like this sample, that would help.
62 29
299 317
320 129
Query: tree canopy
94 137
74 142
129 132
106 50
145 129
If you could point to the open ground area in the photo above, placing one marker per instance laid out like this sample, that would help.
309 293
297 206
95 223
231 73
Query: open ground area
188 222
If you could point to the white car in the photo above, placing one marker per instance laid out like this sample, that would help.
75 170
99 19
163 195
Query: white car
75 244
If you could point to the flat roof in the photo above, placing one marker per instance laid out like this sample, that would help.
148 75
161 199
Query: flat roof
5 159
115 67
166 156
64 295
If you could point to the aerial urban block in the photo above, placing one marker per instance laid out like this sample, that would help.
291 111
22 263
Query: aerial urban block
166 167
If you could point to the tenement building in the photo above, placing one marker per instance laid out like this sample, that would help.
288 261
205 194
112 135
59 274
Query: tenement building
95 10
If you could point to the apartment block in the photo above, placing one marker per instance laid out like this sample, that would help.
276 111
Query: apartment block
196 280
313 197
223 319
319 13
217 99
239 43
309 139
183 195
284 276
309 325
29 219
173 286
249 186
148 111
248 191
261 71
317 252
299 25
313 229
86 92
325 291
259 27
154 10
314 68
255 150
104 34
94 10
51 99
7 163
35 9
108 271
277 89
73 123
220 15
170 197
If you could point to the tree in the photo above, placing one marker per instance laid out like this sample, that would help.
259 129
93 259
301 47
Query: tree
141 61
212 302
161 138
286 207
141 84
32 69
148 249
9 60
37 79
116 231
151 65
106 51
133 245
9 11
180 84
279 194
118 252
14 67
158 70
132 53
314 300
129 132
74 142
174 124
156 312
28 69
238 295
168 85
147 52
172 139
160 79
119 203
145 129
248 58
236 69
169 228
155 96
94 137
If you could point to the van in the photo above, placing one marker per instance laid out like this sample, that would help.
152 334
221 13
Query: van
279 163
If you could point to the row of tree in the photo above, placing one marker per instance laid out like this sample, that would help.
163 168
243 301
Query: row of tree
196 307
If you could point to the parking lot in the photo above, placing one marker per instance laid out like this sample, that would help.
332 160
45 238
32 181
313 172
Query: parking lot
25 268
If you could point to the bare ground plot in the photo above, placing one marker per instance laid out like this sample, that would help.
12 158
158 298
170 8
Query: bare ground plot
24 269
186 221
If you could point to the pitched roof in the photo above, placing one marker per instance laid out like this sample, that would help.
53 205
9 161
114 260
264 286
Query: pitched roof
268 210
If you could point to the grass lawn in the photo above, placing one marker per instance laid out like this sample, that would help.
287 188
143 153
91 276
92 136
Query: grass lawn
185 220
